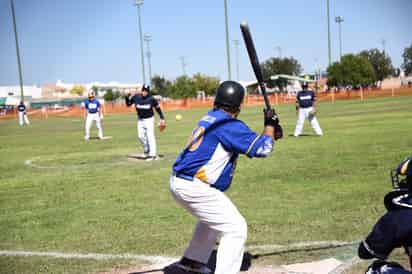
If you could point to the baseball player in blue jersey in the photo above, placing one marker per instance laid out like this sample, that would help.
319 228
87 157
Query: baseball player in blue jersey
394 228
144 104
204 170
23 119
92 111
305 107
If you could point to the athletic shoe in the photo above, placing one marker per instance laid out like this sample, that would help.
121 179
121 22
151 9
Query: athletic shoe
179 268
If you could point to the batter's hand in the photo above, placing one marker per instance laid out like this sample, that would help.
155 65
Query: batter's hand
270 117
162 125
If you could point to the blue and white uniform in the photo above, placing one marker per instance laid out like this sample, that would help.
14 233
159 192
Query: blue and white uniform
202 172
92 107
23 119
305 101
145 121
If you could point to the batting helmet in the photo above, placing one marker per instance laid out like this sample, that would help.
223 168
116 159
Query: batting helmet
229 94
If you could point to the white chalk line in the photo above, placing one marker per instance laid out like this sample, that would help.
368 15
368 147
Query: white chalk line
154 260
161 261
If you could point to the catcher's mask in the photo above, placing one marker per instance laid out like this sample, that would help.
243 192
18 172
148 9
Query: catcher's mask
401 177
401 195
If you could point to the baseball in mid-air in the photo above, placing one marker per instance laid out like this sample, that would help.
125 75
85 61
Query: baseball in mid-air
178 117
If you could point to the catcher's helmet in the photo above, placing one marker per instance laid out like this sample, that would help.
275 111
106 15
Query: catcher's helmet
402 175
401 195
229 94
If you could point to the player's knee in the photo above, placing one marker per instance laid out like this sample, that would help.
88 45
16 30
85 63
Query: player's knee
241 229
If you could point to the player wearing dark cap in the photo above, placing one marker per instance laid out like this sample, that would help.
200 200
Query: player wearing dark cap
144 104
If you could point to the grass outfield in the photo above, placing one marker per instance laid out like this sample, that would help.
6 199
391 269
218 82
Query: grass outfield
60 193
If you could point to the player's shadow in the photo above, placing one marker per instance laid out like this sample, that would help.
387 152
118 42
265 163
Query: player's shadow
147 271
303 135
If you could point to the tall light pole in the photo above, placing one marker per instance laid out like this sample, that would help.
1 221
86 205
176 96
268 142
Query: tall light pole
329 44
148 39
184 64
17 51
138 4
236 43
279 49
383 42
339 20
229 71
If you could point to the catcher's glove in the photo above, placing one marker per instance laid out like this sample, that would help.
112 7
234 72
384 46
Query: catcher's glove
162 125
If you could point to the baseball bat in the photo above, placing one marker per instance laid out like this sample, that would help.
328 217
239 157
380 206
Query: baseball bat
247 37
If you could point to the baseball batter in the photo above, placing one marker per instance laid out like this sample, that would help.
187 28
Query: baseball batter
394 229
204 170
305 107
23 119
92 112
144 104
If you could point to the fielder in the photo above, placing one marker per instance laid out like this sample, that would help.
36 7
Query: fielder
23 119
394 229
92 112
204 170
305 108
144 104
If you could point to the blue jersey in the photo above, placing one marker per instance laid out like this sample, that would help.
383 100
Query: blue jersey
212 157
92 106
305 98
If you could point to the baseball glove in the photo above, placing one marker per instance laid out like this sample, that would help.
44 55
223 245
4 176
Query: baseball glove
313 112
162 125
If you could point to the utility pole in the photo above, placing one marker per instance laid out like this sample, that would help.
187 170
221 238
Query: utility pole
17 51
339 20
236 43
279 49
184 64
148 39
329 43
383 42
229 71
138 4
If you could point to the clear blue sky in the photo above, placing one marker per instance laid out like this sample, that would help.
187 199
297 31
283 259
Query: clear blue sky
97 40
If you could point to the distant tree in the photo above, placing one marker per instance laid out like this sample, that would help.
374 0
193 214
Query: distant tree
110 95
78 90
95 89
407 60
353 70
183 87
382 63
208 84
160 85
274 66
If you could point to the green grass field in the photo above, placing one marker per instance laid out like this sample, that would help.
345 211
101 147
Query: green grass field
60 193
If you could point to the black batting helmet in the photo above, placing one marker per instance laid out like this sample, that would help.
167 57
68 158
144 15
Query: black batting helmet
229 94
401 195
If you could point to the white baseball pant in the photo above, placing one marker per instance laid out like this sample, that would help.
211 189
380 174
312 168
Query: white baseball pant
89 121
145 132
302 115
23 119
217 217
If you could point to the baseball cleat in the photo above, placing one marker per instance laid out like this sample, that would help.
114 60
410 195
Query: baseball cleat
152 158
178 268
